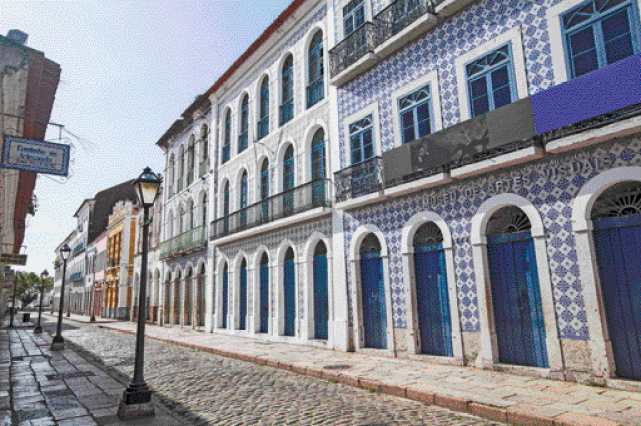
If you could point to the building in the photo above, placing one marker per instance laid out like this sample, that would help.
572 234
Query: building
57 280
99 267
28 85
185 208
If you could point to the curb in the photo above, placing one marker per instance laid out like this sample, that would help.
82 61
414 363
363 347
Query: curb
462 405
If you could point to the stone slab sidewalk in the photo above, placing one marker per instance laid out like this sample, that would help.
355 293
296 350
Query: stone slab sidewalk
40 387
499 396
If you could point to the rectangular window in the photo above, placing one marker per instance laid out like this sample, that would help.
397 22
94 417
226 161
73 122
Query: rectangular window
361 140
490 81
416 114
599 33
353 16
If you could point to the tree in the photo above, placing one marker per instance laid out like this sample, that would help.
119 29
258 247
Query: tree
29 287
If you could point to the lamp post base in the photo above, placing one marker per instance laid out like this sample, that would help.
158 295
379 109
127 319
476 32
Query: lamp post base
92 319
136 402
57 344
38 329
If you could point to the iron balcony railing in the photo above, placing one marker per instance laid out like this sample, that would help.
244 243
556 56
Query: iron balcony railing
76 276
263 127
286 111
360 179
316 193
315 92
399 15
352 48
193 240
242 141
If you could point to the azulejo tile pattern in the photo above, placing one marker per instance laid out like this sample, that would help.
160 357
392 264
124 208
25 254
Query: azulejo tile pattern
437 50
297 234
549 184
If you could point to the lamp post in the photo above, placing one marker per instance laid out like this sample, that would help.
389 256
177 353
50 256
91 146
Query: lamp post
136 399
13 303
58 342
93 303
44 275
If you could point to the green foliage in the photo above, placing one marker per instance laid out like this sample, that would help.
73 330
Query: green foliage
29 285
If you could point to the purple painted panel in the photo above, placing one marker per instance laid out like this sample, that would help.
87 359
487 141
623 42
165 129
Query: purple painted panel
607 89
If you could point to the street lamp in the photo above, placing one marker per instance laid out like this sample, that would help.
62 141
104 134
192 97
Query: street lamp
136 399
58 342
44 275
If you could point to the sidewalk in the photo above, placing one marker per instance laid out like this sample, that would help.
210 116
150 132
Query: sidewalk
39 387
499 396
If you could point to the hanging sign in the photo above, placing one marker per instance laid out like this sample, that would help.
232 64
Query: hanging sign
35 156
13 259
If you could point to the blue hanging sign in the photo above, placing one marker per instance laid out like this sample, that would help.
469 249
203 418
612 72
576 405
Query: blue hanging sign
35 156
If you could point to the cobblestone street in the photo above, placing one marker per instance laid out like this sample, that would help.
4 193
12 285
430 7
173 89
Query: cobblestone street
213 390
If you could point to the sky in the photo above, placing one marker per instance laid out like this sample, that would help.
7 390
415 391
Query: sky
129 69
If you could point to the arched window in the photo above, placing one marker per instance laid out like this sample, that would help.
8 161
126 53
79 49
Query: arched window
227 138
191 160
226 207
289 286
315 84
318 168
243 137
287 91
194 214
243 200
172 174
263 123
169 225
203 211
181 168
264 187
204 159
288 180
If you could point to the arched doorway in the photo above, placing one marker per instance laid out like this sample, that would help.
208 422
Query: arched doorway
373 293
242 296
264 294
225 296
321 297
167 300
516 296
200 313
188 295
177 297
616 220
432 301
289 284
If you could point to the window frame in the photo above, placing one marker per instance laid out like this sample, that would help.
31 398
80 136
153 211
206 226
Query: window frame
291 77
351 14
315 52
372 109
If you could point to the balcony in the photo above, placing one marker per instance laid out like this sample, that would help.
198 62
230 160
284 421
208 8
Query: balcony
243 141
263 127
78 249
190 241
358 47
392 28
294 201
286 111
315 92
76 276
360 179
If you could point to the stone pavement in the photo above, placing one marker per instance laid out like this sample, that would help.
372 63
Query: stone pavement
39 387
500 396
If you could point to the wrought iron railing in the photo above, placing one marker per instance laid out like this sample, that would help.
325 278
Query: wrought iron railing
226 153
242 141
286 111
352 48
192 240
360 179
315 92
316 193
399 15
263 127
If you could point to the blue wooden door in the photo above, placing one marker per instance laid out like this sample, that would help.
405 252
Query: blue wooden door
432 300
321 314
618 251
290 298
242 309
264 297
373 297
516 298
225 301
